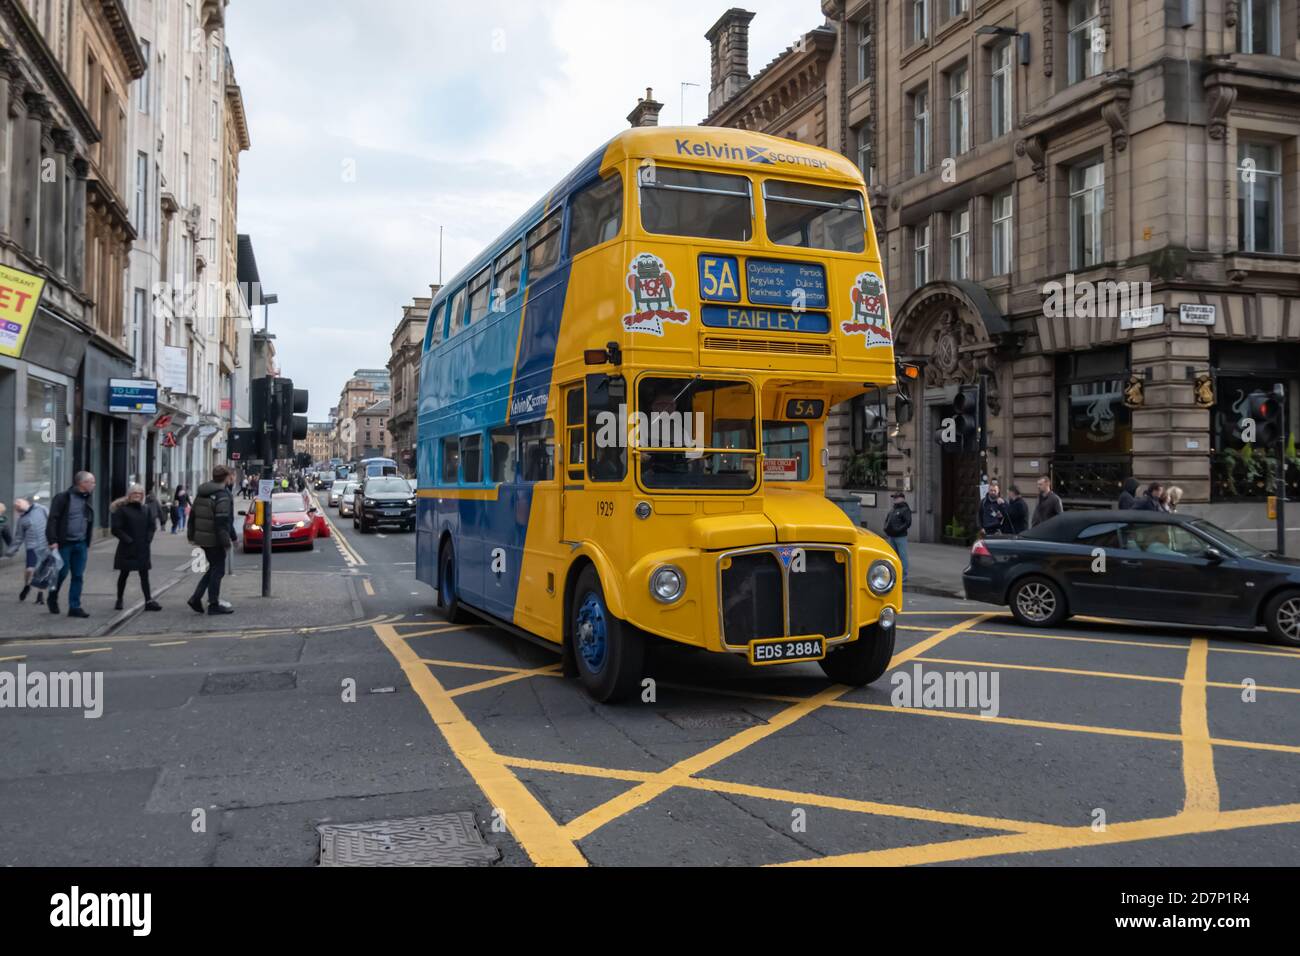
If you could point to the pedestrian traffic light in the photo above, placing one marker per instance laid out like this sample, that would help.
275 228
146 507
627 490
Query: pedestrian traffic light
1265 411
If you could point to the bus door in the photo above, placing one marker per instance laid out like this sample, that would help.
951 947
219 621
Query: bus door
574 466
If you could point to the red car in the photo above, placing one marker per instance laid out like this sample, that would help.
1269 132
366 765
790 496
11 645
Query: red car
294 524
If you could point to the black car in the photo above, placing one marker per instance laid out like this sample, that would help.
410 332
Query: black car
383 500
1142 565
323 482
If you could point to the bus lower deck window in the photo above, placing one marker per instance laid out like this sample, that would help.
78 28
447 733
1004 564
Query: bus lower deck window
537 450
471 454
450 461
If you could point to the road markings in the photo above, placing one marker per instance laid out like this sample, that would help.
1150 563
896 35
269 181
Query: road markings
94 650
1172 644
529 821
550 670
1202 797
169 644
350 554
666 779
369 588
20 657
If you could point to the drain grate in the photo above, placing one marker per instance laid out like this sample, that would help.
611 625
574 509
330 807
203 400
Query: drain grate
443 839
712 720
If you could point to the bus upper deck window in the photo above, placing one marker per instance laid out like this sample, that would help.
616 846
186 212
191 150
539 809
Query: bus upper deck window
456 321
815 217
507 271
437 325
479 295
686 202
597 214
543 242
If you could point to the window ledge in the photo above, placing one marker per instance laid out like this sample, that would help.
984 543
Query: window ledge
951 26
1244 263
912 52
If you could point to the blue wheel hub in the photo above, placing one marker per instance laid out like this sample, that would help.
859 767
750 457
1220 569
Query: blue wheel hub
591 632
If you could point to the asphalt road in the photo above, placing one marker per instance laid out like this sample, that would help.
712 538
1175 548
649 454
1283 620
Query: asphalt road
1097 743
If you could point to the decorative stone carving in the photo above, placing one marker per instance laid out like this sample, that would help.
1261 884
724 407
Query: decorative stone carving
1237 276
1032 146
1115 113
1220 103
1049 10
1230 13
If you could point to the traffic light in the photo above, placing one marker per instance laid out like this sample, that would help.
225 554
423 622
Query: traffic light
1265 410
291 423
243 444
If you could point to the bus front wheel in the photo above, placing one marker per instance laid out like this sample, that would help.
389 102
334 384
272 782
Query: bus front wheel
861 662
609 653
448 600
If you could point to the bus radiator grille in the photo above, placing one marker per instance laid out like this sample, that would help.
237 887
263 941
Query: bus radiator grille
775 346
817 596
751 598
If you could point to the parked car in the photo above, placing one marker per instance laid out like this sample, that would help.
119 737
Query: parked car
294 524
386 500
1140 565
346 498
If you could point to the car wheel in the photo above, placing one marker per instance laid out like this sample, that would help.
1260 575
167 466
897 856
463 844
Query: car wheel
1038 602
1282 618
609 653
448 600
862 661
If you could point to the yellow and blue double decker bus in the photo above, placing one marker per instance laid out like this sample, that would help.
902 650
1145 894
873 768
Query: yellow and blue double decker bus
623 404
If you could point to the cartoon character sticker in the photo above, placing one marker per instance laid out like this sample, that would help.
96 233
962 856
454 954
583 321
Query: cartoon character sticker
870 311
651 285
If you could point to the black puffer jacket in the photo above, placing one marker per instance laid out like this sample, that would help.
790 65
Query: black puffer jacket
212 516
133 527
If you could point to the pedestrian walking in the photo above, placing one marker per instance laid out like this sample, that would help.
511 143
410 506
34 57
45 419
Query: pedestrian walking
993 511
1172 497
180 508
1017 511
133 525
68 531
212 528
897 524
29 534
1150 501
155 510
1128 497
1049 502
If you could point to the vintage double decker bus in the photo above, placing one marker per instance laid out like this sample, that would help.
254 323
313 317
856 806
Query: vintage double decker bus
623 404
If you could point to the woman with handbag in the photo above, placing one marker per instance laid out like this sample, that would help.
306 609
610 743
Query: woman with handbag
134 527
29 532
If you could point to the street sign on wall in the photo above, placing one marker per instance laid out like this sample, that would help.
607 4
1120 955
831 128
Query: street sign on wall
132 396
175 368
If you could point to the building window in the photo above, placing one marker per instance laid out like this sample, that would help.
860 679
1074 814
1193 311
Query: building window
920 131
215 56
1002 206
142 87
142 194
1259 27
864 50
957 7
1000 93
866 155
212 122
921 254
1087 204
920 20
959 110
212 178
1094 428
185 102
1087 41
1259 197
959 243
1239 471
188 27
139 307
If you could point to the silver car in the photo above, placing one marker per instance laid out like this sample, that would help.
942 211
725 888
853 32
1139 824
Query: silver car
345 500
336 492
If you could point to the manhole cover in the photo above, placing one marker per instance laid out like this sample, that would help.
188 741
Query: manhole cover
247 682
444 839
712 720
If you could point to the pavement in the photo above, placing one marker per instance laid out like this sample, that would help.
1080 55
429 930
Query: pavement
298 599
935 569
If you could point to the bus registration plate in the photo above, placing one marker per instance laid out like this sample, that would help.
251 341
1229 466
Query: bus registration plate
787 650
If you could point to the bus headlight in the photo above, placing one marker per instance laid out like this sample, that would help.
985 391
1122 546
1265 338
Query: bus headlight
667 584
880 577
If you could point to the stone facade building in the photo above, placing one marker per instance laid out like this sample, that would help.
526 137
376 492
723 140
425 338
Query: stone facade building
1053 183
404 372
366 388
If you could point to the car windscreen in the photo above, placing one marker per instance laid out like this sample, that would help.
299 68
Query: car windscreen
381 486
815 217
1236 545
695 433
284 504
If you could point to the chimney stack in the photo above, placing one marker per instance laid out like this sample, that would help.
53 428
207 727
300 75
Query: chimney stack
647 110
729 38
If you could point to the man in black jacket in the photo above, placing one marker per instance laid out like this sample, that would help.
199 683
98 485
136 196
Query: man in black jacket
897 524
69 531
1049 502
993 511
1151 500
1017 512
212 528
1128 497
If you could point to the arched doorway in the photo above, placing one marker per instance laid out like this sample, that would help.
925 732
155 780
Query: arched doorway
953 330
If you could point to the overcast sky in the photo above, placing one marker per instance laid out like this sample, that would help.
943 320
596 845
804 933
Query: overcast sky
374 123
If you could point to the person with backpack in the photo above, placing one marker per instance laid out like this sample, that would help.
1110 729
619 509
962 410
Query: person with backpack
133 525
212 528
897 524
